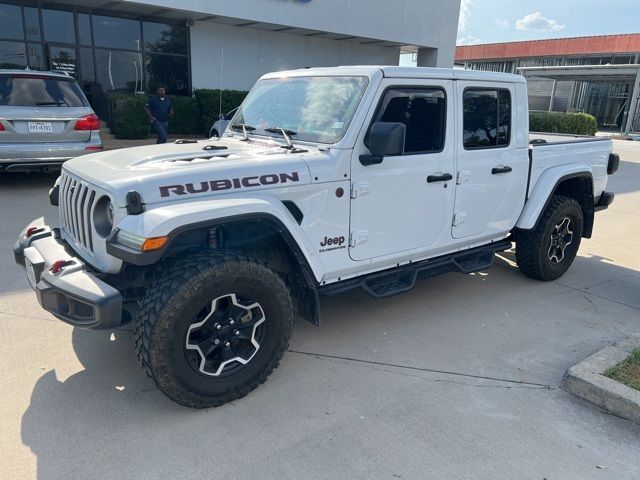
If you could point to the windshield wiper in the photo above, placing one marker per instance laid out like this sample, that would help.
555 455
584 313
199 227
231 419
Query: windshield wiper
42 104
286 133
241 127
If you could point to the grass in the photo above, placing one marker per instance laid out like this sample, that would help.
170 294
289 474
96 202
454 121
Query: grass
628 371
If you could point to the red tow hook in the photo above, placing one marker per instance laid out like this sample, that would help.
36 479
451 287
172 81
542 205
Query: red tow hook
31 230
58 265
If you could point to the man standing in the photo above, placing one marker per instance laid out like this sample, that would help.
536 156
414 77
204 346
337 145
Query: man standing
159 110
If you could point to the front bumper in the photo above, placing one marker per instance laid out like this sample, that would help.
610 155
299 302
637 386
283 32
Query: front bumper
74 293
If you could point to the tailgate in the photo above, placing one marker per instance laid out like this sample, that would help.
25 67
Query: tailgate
42 124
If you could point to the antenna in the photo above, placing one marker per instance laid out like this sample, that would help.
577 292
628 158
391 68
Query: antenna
221 80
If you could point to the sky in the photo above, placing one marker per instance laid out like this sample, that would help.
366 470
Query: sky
492 21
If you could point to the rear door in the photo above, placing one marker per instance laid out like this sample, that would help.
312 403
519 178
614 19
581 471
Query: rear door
492 171
405 202
41 109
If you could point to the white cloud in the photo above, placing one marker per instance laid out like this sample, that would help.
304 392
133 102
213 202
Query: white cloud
465 11
537 21
468 40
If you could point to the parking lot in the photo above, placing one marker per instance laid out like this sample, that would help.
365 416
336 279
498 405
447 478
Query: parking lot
458 378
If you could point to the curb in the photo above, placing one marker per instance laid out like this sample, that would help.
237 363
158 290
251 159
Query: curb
586 380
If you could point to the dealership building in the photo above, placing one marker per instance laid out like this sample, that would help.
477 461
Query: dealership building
597 75
131 47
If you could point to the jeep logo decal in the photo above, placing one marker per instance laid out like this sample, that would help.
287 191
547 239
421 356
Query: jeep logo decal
228 184
329 244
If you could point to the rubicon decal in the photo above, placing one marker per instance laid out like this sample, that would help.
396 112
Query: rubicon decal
229 184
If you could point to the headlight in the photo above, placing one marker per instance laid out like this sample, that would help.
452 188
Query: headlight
103 216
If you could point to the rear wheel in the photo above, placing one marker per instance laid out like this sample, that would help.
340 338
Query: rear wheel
213 329
546 252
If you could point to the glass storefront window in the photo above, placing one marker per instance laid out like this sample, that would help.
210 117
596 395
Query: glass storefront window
165 38
169 71
58 26
32 24
86 66
84 29
64 59
11 22
36 58
12 55
116 32
119 71
125 55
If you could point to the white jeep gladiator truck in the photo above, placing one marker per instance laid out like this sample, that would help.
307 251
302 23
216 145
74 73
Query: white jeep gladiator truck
326 180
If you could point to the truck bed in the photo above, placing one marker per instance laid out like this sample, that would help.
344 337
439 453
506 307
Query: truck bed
555 150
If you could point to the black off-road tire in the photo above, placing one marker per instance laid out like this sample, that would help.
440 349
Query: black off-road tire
532 246
171 306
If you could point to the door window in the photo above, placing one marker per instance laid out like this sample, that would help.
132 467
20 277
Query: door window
422 111
487 118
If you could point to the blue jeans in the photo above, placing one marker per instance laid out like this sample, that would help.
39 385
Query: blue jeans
162 129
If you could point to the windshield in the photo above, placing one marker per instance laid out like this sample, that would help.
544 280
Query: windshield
35 91
313 109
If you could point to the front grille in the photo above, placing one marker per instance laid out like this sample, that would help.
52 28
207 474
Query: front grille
76 203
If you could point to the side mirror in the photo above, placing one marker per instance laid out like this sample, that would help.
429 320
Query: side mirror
386 139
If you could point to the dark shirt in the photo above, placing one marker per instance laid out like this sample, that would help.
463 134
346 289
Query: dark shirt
159 108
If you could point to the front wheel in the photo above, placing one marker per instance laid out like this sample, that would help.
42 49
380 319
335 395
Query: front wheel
211 329
546 252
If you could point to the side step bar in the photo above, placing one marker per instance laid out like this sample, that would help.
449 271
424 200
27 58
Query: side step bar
402 279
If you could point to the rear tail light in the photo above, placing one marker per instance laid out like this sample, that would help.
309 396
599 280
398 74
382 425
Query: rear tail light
88 122
1 127
94 147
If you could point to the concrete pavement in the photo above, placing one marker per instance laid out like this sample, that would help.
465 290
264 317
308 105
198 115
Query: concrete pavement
458 378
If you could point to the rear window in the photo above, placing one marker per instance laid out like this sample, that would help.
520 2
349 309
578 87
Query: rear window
34 91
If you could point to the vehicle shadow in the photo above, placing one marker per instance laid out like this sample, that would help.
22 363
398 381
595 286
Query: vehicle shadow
74 422
23 198
73 425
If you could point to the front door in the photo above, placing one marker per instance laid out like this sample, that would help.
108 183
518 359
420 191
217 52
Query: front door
405 203
492 171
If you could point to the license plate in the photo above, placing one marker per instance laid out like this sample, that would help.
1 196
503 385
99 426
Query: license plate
31 273
40 127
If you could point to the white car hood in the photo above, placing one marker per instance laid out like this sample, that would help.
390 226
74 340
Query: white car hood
180 171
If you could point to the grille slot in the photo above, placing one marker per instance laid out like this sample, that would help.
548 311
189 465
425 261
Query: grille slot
76 203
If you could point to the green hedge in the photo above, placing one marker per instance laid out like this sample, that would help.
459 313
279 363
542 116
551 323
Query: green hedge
558 122
209 102
186 116
192 115
129 119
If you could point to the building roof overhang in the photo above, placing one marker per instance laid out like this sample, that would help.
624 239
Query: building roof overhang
585 73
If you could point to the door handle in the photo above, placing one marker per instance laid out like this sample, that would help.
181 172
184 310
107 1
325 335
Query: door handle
439 178
499 170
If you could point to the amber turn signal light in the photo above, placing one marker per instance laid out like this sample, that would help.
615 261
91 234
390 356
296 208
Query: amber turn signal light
155 243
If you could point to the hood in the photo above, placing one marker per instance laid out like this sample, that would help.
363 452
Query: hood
176 171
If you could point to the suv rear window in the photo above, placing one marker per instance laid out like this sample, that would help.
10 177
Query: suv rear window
40 91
